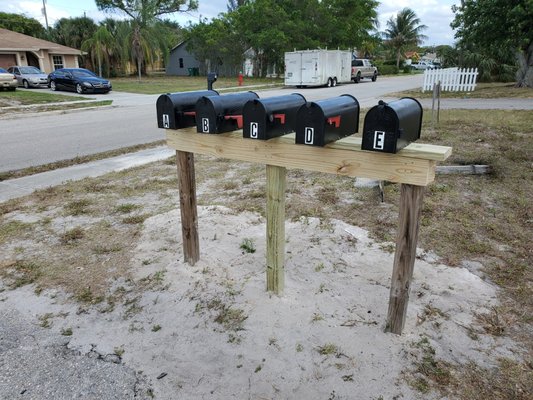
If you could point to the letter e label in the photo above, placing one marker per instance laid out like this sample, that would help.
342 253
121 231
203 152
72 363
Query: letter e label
379 140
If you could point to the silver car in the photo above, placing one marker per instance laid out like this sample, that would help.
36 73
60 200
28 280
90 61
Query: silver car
29 76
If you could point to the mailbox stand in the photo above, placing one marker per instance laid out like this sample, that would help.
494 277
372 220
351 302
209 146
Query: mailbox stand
413 167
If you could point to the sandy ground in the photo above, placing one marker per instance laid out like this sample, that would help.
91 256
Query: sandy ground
212 331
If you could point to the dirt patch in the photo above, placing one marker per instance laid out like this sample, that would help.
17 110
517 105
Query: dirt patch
107 252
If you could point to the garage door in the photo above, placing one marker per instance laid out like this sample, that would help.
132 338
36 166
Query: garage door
7 60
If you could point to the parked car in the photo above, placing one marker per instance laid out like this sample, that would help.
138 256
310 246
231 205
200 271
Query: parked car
422 65
29 76
80 80
7 81
362 68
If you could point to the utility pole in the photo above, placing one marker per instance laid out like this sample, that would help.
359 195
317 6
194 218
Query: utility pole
44 13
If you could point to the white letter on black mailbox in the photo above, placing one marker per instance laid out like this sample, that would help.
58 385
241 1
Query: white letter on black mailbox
205 125
254 127
309 135
379 140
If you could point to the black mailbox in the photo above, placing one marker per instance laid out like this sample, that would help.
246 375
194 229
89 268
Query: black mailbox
219 114
390 127
177 110
322 122
272 117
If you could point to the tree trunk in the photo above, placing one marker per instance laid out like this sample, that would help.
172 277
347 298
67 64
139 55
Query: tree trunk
99 57
398 54
524 75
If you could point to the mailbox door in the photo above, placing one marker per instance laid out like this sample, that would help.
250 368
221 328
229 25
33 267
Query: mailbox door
206 116
380 132
272 117
166 116
310 125
255 117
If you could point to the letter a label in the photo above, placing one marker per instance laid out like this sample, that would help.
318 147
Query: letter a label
254 127
379 140
166 121
309 135
205 125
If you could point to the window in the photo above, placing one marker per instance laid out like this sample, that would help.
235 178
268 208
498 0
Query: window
58 62
181 62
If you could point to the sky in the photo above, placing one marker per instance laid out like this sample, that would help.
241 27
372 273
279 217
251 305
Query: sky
435 14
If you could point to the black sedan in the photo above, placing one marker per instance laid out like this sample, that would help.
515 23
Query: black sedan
78 79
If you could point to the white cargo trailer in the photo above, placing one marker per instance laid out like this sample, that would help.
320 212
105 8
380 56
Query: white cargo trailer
317 67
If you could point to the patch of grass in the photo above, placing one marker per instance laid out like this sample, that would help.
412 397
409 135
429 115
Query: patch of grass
317 317
430 313
232 319
20 272
72 235
45 320
135 219
328 349
492 322
22 97
12 229
491 90
429 369
319 267
87 296
119 351
66 332
153 281
77 207
156 328
157 83
106 248
126 208
510 380
248 245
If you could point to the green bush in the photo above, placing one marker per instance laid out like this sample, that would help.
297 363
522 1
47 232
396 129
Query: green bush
388 70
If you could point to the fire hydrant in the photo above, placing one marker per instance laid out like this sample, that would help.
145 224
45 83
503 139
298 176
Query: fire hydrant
240 78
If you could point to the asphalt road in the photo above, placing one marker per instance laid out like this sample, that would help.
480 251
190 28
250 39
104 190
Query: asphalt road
40 138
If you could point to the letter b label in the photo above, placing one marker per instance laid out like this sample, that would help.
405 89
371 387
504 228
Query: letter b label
205 125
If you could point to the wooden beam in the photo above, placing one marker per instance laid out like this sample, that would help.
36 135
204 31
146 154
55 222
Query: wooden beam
345 157
275 213
189 213
411 198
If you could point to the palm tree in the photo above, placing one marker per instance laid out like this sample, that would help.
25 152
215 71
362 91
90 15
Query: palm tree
100 46
145 15
403 31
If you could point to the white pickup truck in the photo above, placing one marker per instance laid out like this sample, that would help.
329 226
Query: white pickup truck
362 68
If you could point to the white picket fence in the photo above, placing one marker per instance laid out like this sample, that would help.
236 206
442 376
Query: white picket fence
451 79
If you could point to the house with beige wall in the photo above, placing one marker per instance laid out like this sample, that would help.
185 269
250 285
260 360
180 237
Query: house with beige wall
19 49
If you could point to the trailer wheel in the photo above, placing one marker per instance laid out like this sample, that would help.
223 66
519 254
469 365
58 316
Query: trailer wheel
358 77
330 83
334 83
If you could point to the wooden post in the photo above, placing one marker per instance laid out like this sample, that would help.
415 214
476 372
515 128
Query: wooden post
411 197
189 213
275 213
